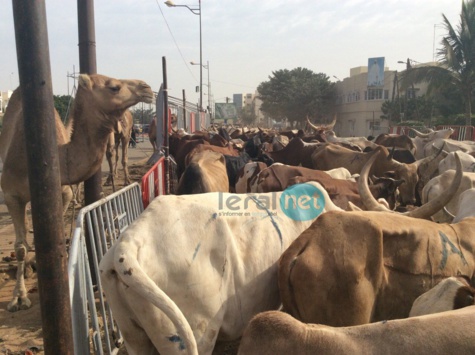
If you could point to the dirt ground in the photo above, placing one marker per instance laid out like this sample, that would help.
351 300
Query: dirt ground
20 332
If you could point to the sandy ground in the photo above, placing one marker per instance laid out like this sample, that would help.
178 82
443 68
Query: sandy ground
20 332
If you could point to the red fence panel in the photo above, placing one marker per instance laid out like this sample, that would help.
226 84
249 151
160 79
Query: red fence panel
153 182
461 133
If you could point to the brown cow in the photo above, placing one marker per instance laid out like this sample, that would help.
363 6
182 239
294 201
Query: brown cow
395 140
248 174
332 156
275 332
184 147
278 177
295 153
206 172
351 268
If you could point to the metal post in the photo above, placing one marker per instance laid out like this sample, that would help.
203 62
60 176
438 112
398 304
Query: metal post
201 62
167 129
87 65
184 110
209 96
43 173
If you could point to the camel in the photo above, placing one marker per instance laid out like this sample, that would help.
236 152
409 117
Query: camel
99 104
152 129
120 136
152 133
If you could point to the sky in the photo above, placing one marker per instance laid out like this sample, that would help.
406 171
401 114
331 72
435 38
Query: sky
244 41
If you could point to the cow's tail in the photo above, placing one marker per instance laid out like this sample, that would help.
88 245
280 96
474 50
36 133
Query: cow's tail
132 274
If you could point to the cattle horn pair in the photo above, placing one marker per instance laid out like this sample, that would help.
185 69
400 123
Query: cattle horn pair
327 127
426 210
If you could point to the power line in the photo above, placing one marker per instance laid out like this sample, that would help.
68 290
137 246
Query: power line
174 40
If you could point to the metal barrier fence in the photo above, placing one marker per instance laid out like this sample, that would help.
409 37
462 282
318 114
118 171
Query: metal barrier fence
102 222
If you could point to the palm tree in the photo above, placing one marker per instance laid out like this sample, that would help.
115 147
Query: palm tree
455 69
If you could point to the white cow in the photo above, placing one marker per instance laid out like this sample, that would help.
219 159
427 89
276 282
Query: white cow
424 141
195 269
441 183
451 145
448 163
465 205
341 173
451 293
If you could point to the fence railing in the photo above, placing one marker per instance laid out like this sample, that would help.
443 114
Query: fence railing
102 223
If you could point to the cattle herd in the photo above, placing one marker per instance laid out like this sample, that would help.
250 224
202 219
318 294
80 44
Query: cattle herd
302 242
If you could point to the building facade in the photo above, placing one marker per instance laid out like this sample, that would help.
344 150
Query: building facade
358 104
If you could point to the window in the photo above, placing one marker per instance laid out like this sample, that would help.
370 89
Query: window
375 94
353 96
374 125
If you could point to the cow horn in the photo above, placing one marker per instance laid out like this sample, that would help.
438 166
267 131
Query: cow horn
419 134
330 126
316 128
447 212
426 210
430 208
367 198
431 157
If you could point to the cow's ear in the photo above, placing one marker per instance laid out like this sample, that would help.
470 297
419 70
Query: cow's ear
390 174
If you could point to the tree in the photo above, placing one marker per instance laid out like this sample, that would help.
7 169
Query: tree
248 114
140 115
455 70
62 104
297 94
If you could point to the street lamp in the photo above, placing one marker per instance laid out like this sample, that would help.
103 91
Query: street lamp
195 11
209 87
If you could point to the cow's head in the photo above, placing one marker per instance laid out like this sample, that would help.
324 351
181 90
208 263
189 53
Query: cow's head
407 190
426 210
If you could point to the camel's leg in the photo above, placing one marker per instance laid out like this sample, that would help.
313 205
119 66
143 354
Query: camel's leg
110 151
125 159
17 209
116 156
67 196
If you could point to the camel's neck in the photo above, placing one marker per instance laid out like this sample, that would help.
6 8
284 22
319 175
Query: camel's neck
82 156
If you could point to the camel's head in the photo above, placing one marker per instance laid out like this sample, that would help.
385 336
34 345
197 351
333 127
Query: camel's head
111 95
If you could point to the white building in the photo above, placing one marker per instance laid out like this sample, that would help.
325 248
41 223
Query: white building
358 105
